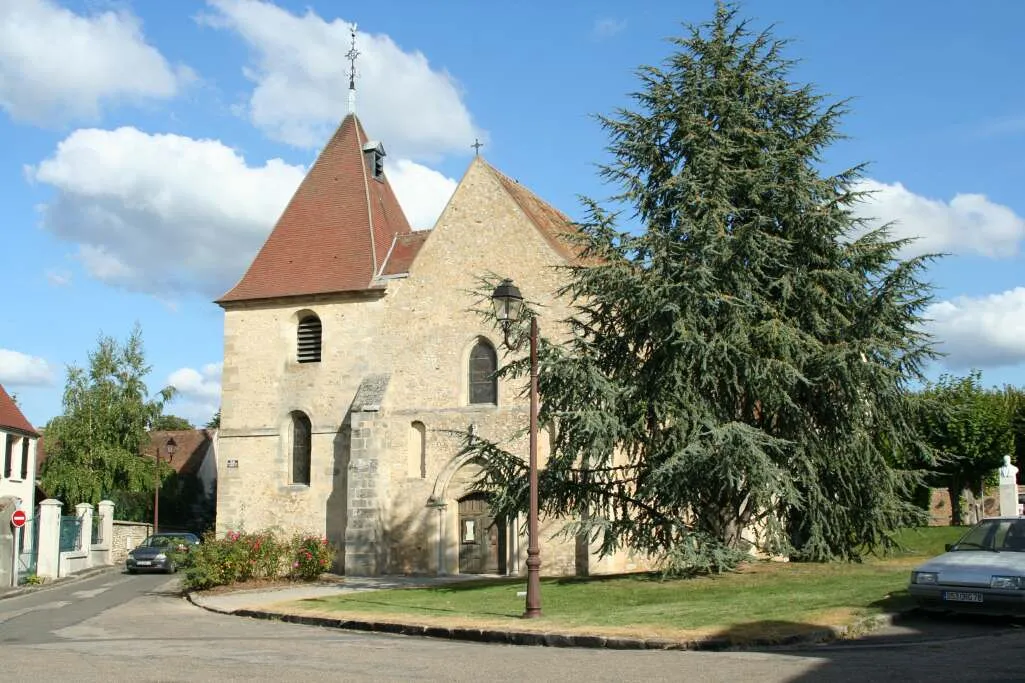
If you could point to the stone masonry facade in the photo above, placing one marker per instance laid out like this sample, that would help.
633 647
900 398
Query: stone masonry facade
392 384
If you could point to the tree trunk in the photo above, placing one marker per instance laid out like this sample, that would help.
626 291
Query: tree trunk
954 491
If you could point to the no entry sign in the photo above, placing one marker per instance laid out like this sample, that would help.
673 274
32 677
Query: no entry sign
18 519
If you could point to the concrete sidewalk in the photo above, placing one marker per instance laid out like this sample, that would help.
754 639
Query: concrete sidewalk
23 589
272 604
231 602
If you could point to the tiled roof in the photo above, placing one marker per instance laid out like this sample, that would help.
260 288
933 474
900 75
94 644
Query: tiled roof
11 416
335 233
554 225
191 446
403 252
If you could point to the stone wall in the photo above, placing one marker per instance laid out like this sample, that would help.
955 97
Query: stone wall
127 535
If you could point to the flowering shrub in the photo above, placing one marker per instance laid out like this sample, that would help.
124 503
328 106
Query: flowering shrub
238 557
311 557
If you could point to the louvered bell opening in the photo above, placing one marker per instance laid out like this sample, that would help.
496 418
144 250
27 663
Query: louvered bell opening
309 340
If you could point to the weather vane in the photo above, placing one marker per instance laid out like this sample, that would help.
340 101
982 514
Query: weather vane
351 55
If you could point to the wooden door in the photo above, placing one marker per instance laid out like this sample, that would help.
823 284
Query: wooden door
482 539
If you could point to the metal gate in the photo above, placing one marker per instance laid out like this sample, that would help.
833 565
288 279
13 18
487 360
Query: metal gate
28 542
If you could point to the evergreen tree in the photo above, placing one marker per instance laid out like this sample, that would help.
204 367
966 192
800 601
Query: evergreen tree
741 360
93 448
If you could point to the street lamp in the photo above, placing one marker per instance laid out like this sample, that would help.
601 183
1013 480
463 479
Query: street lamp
508 303
170 447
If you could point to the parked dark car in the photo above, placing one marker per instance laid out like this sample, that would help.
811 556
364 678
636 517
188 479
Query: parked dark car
155 553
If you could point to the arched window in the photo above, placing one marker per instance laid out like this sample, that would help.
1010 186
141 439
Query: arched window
301 448
483 364
308 339
416 462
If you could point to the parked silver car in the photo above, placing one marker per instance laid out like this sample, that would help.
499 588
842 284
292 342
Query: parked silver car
983 572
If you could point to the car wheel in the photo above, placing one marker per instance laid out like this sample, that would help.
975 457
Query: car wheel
171 569
130 571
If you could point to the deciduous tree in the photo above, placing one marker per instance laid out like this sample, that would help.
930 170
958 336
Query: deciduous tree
93 448
971 429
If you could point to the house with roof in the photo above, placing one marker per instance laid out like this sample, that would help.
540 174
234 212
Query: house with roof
18 468
353 365
188 501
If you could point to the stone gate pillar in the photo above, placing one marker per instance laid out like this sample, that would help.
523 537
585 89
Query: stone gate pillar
48 558
84 512
106 544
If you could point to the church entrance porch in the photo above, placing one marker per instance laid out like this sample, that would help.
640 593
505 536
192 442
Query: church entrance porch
482 538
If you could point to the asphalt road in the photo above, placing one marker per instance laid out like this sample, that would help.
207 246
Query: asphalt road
116 627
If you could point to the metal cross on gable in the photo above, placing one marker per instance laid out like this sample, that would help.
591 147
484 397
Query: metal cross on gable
477 144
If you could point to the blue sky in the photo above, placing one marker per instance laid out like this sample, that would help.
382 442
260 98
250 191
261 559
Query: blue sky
146 148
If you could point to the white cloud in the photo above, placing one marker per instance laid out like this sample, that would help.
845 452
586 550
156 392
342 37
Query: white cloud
21 369
422 192
204 383
166 214
301 76
58 278
607 27
967 224
199 392
987 331
162 213
56 65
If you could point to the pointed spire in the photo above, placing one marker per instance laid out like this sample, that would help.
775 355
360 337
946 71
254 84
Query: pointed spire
351 55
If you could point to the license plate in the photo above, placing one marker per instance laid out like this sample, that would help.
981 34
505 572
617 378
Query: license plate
144 563
958 596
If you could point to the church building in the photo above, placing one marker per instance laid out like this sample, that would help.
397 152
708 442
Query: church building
353 364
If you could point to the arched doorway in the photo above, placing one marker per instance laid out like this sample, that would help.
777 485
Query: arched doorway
482 538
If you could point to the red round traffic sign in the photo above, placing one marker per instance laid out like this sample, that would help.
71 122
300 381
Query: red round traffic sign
18 519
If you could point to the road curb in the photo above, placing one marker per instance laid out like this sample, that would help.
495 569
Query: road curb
556 639
57 583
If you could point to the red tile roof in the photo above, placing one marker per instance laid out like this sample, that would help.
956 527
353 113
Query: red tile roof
404 251
335 233
191 445
11 416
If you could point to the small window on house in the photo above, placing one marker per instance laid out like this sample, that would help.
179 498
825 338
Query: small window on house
308 339
301 448
416 461
483 364
8 454
24 458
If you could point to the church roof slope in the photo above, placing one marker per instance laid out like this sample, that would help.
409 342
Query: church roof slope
554 225
336 231
403 252
11 416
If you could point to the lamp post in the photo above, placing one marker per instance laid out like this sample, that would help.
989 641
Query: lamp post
508 304
170 447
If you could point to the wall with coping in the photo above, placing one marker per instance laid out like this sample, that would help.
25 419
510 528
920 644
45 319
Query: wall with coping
126 536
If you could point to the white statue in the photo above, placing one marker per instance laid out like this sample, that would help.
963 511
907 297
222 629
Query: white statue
1008 472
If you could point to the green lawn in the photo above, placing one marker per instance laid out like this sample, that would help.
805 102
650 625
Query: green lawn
761 597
